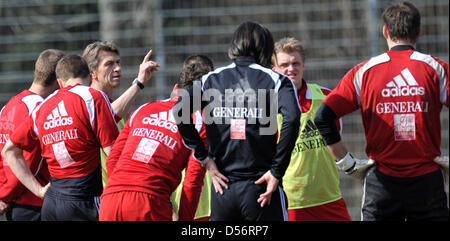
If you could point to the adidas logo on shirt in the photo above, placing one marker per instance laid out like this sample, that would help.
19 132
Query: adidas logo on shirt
403 84
163 119
310 130
58 117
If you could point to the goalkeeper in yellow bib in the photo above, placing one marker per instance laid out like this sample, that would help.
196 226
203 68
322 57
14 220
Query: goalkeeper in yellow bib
311 181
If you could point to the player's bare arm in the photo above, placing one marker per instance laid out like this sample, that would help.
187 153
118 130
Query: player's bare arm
14 156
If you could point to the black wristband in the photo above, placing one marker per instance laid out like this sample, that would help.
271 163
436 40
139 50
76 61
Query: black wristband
138 83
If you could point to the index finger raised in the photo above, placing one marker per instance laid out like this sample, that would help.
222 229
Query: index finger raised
147 57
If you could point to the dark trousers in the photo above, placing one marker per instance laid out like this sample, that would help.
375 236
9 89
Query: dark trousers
404 199
239 203
21 212
58 207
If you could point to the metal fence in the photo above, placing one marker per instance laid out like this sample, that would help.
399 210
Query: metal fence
337 35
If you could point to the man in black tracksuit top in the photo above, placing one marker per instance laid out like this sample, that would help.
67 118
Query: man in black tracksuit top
240 103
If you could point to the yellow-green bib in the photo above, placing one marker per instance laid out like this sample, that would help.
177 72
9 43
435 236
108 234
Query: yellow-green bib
311 178
204 203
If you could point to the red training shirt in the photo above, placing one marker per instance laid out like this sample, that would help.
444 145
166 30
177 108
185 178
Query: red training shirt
70 125
13 113
149 154
401 94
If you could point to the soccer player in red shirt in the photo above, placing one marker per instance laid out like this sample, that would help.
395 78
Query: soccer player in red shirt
25 206
400 94
145 164
105 69
70 126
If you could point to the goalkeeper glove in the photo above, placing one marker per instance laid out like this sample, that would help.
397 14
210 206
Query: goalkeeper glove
442 161
353 167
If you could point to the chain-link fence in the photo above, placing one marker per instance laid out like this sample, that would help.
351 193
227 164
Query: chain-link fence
337 35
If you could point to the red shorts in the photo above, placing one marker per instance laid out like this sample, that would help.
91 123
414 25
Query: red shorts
334 211
134 206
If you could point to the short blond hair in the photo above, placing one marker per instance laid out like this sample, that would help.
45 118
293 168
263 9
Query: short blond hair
288 45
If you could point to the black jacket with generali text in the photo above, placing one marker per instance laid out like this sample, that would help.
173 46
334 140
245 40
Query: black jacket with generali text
240 103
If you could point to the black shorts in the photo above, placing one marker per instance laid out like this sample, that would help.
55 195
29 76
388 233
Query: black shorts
71 199
59 207
21 212
404 199
239 203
